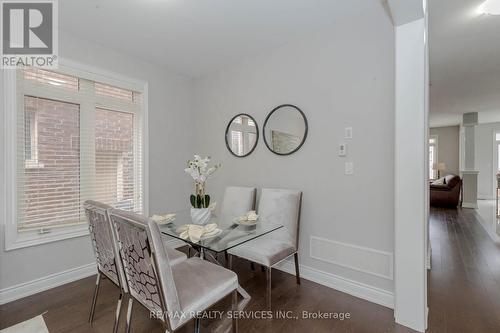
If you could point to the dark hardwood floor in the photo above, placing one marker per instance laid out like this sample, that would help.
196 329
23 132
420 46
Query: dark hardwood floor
464 282
464 294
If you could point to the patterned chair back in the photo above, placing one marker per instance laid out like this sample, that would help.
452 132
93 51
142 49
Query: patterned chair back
104 242
146 263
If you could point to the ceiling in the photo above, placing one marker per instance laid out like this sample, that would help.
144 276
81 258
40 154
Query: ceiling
464 62
197 37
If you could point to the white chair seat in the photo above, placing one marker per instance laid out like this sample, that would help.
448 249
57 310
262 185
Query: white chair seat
263 250
200 284
175 256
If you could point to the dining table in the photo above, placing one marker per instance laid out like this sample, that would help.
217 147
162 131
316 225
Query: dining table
231 232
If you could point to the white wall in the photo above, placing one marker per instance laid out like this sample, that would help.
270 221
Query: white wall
485 159
170 146
448 147
342 76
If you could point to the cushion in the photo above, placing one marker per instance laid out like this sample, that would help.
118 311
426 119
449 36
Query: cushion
175 256
452 180
200 284
439 181
264 250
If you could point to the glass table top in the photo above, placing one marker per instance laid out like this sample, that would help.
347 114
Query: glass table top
231 234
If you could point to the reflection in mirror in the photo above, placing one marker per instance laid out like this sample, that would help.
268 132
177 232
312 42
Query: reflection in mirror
285 129
242 135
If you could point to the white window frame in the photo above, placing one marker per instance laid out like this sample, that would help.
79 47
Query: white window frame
15 239
436 147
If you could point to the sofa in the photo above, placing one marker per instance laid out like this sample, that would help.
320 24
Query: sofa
445 192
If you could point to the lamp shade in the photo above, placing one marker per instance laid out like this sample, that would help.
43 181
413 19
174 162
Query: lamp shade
439 166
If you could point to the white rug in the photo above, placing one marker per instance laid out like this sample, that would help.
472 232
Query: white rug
34 325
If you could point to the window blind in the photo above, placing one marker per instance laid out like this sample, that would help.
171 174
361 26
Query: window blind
77 139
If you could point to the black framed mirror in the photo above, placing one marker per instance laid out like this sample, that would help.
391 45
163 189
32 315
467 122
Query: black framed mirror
285 129
242 135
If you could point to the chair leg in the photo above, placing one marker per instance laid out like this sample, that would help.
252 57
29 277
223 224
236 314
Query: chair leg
235 308
230 262
129 314
118 312
297 274
226 256
197 325
268 278
94 299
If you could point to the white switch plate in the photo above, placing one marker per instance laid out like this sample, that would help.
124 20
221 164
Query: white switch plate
342 149
348 133
349 168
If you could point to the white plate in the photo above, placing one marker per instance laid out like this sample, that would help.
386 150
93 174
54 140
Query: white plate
213 234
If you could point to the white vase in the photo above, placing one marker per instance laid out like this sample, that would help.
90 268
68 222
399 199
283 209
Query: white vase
201 216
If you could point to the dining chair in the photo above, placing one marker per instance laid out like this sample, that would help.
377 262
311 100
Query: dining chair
237 201
174 294
106 254
278 206
106 251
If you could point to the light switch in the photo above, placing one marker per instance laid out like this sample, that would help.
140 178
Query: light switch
342 149
349 168
348 133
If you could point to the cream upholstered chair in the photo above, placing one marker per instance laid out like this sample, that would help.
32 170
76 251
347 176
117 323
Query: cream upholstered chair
172 293
237 201
278 206
105 245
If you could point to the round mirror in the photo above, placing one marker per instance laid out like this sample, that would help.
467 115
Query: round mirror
285 129
242 135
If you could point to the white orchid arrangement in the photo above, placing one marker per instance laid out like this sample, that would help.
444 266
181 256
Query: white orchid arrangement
200 171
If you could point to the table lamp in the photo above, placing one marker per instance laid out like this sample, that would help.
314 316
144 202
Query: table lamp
439 167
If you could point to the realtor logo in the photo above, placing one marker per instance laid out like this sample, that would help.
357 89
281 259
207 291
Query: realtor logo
29 33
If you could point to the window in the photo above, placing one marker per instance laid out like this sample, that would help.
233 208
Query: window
77 138
237 142
243 136
49 186
114 158
433 156
31 139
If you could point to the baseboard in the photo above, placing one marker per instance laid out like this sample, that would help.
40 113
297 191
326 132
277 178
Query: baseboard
354 288
469 205
48 282
485 197
55 280
493 235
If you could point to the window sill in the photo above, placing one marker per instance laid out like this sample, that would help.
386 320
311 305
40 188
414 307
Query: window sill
28 239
